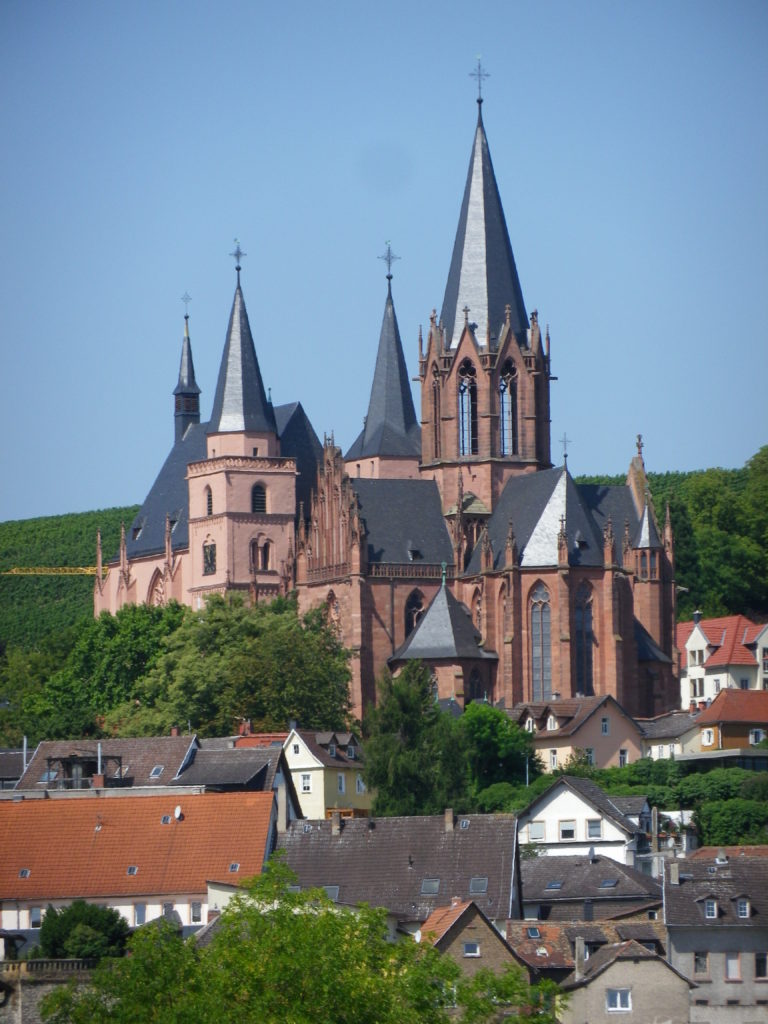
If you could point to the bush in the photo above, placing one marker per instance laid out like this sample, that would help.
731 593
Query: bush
83 930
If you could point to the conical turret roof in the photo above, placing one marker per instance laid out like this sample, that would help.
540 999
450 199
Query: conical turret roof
483 275
240 402
187 384
391 428
647 535
445 631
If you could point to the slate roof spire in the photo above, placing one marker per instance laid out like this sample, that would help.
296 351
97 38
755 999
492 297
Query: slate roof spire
647 535
186 393
391 428
240 402
483 275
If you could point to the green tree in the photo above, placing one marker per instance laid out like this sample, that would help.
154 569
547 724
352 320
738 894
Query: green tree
414 753
496 748
83 930
730 822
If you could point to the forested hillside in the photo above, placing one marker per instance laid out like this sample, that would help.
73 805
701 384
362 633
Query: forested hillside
34 607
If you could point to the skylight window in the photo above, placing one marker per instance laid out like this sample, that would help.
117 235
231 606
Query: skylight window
24 873
430 887
609 883
165 820
133 869
533 933
157 771
478 885
554 885
332 892
464 823
234 866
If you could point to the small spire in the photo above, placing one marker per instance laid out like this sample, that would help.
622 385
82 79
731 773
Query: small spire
237 255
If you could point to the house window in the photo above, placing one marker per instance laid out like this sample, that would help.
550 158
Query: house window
732 967
594 828
553 759
265 552
467 409
708 737
351 752
582 620
761 966
196 912
551 723
742 907
35 917
623 758
660 750
590 755
710 910
340 782
359 784
139 913
567 831
701 963
478 885
508 409
430 886
717 686
208 501
529 725
209 559
306 783
536 831
332 750
541 654
744 684
605 726
697 688
471 949
756 736
258 499
618 999
295 748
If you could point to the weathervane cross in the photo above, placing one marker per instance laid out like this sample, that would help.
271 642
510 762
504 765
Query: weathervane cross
389 258
479 74
186 298
564 442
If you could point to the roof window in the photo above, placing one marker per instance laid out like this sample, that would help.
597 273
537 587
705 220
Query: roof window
710 910
554 885
464 823
24 873
157 771
478 885
430 886
133 869
609 883
234 867
533 932
165 820
332 892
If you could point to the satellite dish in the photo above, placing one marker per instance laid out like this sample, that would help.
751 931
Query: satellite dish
177 812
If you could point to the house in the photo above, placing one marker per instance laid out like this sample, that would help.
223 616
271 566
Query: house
327 773
669 735
596 726
586 888
574 816
463 932
716 913
410 865
730 652
735 720
624 980
145 856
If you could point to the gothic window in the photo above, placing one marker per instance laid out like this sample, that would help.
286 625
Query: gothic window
467 409
474 688
414 609
508 409
208 501
541 652
582 621
435 418
253 559
209 559
265 551
258 499
654 564
643 565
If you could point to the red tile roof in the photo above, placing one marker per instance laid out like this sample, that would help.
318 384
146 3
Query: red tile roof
749 706
440 920
730 635
83 846
711 852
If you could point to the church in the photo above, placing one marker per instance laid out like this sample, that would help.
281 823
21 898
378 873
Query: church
447 536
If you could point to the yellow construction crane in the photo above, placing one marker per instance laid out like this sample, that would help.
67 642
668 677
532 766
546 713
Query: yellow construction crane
51 570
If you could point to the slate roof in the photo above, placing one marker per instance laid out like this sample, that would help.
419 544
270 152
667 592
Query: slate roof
240 402
602 959
668 726
445 631
647 535
732 636
11 764
98 839
138 756
253 767
553 948
391 427
647 648
571 713
483 274
318 744
403 521
702 879
384 861
737 706
536 502
187 385
630 805
581 877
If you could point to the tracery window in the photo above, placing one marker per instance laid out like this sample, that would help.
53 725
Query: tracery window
265 552
541 650
467 409
209 559
414 609
582 621
435 413
508 409
258 498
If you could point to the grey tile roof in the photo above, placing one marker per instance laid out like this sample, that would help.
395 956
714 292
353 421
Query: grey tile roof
391 427
483 274
384 861
593 794
602 958
581 878
319 743
403 521
138 756
668 726
702 879
240 402
571 713
11 764
187 385
630 805
234 768
445 631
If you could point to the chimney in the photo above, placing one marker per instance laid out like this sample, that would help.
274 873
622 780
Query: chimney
335 823
555 696
696 617
654 830
448 819
97 781
674 873
175 730
578 958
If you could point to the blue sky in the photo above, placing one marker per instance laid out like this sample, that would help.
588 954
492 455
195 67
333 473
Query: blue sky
630 143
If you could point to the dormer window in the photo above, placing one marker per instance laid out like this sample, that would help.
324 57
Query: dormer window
351 753
552 723
710 910
742 907
332 750
529 725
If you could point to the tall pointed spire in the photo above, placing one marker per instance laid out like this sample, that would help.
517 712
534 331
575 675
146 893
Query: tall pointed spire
186 393
391 428
240 402
483 275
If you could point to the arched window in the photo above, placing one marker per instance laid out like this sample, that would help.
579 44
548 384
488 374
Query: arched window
582 621
467 409
265 553
253 552
414 609
435 416
541 651
643 565
508 409
654 565
209 559
258 499
208 501
474 688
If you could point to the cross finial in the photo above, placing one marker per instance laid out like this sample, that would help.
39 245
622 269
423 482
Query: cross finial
237 255
186 298
479 74
564 441
443 568
389 258
639 444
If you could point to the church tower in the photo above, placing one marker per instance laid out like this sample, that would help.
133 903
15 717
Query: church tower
486 370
